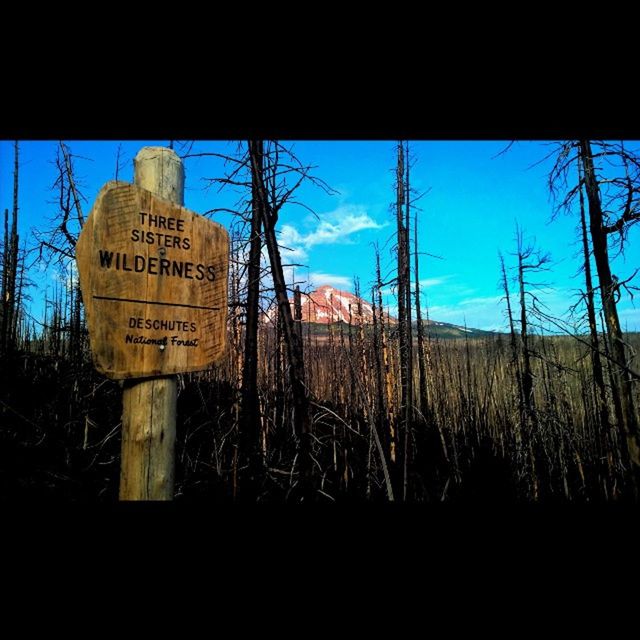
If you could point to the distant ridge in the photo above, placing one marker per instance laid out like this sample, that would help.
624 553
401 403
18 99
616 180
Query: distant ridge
327 305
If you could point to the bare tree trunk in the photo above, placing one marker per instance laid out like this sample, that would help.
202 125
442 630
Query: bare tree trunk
18 316
297 311
301 415
527 374
364 372
5 284
293 343
514 353
621 378
422 374
12 311
380 389
403 330
235 353
390 438
409 355
79 320
72 183
250 422
596 363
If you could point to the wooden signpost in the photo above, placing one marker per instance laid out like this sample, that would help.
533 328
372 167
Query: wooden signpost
154 284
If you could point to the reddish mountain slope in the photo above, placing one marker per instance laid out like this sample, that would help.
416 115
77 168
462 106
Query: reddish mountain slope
327 304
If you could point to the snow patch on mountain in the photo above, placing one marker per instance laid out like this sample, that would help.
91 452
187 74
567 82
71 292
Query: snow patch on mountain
326 305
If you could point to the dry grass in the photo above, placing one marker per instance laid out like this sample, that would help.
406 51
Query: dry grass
60 424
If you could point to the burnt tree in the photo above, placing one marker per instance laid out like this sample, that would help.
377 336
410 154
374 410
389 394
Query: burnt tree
600 391
250 431
273 193
422 371
600 231
10 266
404 317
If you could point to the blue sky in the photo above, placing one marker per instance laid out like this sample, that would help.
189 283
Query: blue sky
475 199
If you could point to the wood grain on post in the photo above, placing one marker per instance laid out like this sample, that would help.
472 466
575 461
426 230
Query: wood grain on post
149 406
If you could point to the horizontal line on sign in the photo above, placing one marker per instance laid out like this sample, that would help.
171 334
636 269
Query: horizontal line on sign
164 304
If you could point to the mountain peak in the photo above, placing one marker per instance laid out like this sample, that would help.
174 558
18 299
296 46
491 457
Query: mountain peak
326 305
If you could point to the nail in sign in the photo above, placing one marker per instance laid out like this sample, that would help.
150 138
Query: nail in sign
154 284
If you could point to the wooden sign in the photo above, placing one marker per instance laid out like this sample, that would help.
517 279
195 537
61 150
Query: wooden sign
154 284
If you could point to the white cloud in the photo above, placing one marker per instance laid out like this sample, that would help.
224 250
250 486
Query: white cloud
335 227
433 282
67 274
289 235
318 278
338 232
291 242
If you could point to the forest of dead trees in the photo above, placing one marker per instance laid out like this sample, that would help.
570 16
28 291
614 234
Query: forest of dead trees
377 411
